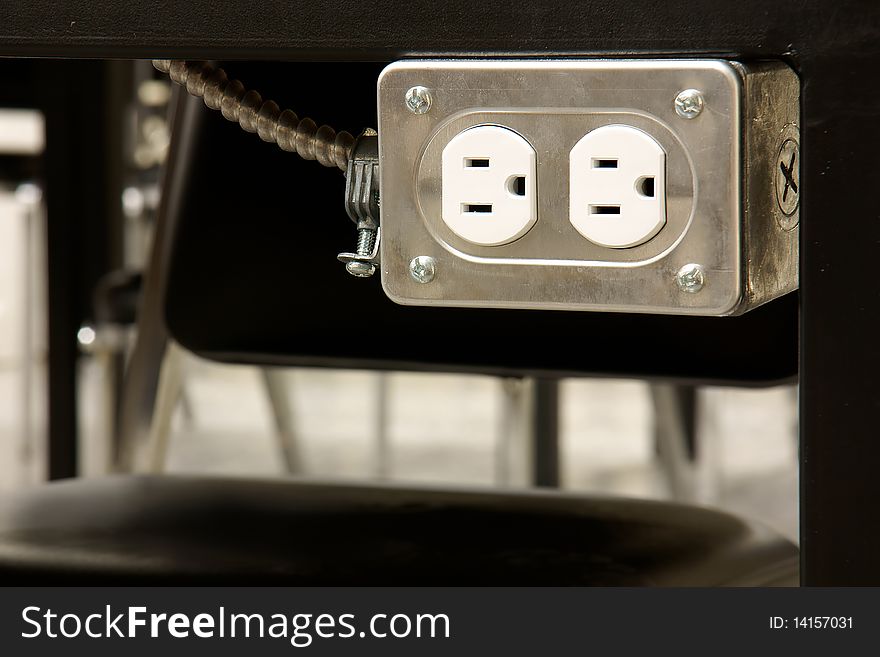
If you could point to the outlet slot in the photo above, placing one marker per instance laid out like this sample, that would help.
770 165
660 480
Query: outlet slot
516 185
604 163
476 162
604 209
645 186
476 208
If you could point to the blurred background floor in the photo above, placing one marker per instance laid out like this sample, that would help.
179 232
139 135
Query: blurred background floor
444 429
437 429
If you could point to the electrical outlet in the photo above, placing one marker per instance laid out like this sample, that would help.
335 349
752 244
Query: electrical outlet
488 185
646 186
617 186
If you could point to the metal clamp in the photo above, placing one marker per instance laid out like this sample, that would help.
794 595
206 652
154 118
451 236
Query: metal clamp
362 263
362 204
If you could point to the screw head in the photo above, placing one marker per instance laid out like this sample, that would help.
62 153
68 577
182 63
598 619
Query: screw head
689 103
690 278
418 100
422 269
788 177
360 269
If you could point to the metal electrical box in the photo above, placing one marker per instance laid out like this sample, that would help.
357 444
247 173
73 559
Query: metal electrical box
718 141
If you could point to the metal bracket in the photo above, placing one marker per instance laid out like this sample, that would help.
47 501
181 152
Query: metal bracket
362 204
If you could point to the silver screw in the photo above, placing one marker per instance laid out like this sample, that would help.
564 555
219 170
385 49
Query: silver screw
689 103
690 278
422 269
418 100
365 243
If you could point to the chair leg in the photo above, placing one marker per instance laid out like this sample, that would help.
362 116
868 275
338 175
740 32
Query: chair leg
513 445
167 398
29 196
383 443
527 447
140 385
675 436
106 360
545 435
277 386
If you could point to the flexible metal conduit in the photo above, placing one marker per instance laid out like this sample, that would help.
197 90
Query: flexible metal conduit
253 114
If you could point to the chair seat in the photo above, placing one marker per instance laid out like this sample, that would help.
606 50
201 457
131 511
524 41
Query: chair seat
189 530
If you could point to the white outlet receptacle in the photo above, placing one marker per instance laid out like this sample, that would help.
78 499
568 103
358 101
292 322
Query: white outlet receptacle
488 185
617 186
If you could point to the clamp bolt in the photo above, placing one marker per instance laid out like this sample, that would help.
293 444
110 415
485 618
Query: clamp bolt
365 245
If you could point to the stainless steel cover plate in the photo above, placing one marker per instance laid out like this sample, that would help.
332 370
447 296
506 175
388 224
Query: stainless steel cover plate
553 104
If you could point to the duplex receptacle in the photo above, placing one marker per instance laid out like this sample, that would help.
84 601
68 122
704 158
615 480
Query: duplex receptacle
488 185
590 185
617 186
